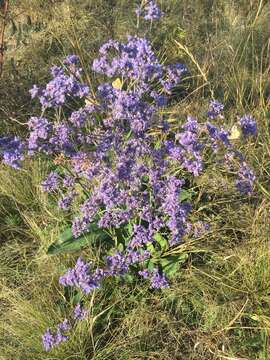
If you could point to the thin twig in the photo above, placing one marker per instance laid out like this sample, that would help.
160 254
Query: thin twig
4 11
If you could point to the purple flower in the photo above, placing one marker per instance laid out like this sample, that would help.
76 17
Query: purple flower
48 340
65 202
188 148
200 228
78 118
246 180
176 211
158 281
68 181
11 151
248 125
215 109
34 92
40 131
144 273
117 264
65 325
61 87
51 340
174 74
141 236
217 136
72 60
51 182
80 277
79 313
150 11
79 226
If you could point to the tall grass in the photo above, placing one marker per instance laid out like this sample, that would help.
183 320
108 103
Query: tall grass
218 305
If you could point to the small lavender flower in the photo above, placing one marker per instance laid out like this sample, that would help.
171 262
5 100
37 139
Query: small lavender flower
51 182
158 281
200 228
40 131
80 277
48 340
79 313
65 202
117 264
61 87
144 273
215 109
79 226
65 325
72 59
150 11
246 180
78 118
68 181
11 151
174 75
141 236
217 137
34 92
51 340
248 125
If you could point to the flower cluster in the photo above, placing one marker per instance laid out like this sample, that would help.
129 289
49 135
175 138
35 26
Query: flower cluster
81 278
50 339
62 86
136 61
157 280
123 179
248 125
149 10
215 109
11 151
246 179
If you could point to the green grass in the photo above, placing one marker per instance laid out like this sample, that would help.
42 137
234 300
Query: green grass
218 305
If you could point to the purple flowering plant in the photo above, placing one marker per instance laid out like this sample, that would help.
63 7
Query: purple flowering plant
133 187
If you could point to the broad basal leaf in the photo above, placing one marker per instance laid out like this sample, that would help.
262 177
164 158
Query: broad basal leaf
67 242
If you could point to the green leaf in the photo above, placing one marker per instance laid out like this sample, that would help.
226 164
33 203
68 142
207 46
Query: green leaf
150 248
76 299
171 264
120 247
185 195
66 242
163 243
65 235
150 265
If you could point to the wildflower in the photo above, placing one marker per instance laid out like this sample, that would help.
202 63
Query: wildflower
51 182
79 313
34 92
40 130
79 226
150 11
246 180
200 228
65 202
48 340
11 151
72 59
158 281
248 125
60 88
80 277
51 340
215 109
144 273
